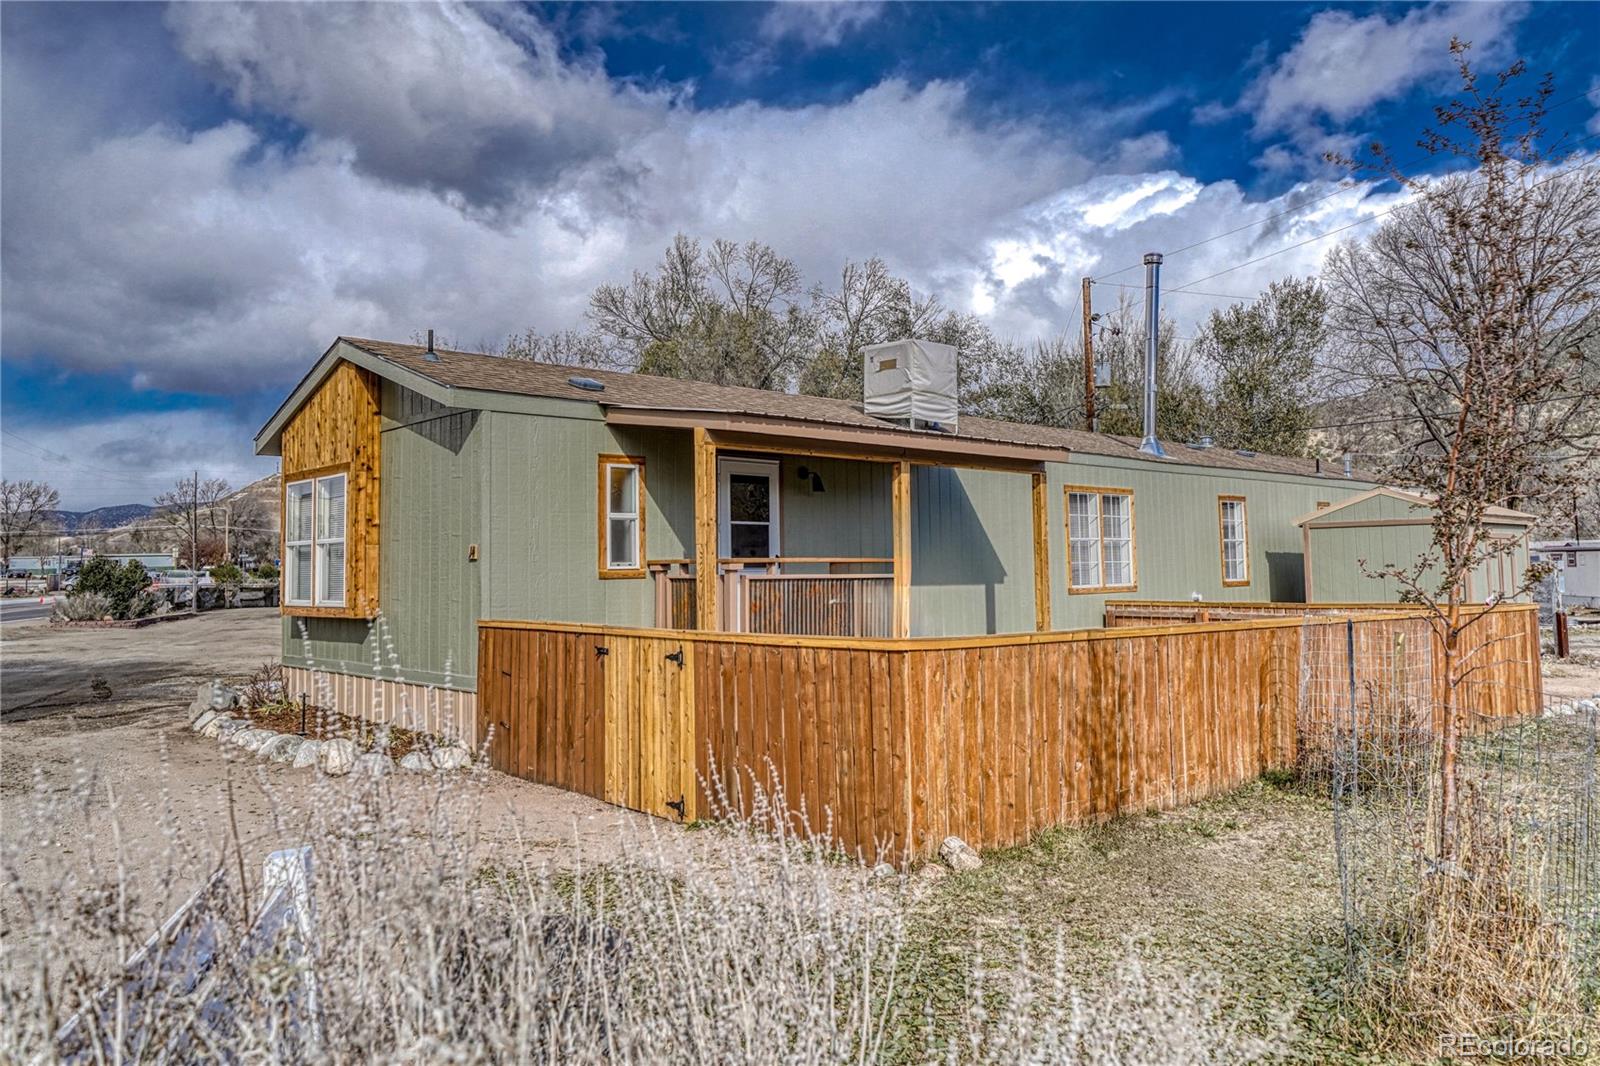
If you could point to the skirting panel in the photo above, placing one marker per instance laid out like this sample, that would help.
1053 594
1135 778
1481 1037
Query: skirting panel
444 712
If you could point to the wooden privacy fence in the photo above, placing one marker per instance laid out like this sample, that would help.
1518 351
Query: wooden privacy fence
1121 613
891 745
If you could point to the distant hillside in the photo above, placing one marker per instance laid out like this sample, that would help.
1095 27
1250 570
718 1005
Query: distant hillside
122 514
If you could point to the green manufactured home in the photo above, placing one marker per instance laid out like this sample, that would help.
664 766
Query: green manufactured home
426 490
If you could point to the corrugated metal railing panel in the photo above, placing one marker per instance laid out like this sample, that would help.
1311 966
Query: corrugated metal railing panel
837 605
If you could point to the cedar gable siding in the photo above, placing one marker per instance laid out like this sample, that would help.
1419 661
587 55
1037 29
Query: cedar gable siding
337 430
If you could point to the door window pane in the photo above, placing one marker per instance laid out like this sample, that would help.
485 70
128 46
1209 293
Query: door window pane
750 540
749 498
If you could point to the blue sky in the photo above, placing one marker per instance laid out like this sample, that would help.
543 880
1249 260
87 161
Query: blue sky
197 199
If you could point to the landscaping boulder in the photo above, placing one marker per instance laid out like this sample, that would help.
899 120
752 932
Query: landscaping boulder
307 754
452 757
374 764
932 872
882 872
282 748
219 696
337 756
202 704
252 739
224 726
416 762
204 719
958 855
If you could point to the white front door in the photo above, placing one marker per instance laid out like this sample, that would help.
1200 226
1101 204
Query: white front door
747 509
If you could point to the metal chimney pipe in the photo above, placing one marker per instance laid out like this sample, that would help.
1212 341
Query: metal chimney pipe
430 355
1152 336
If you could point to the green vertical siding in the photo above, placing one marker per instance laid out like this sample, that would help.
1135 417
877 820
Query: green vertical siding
1177 542
540 513
428 591
1337 554
850 517
971 552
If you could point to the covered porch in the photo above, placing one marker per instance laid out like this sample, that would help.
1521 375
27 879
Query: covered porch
752 571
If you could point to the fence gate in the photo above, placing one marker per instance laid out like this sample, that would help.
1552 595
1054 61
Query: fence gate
649 724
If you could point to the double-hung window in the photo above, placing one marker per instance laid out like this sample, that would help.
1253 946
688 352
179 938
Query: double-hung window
1234 532
314 532
1100 544
621 516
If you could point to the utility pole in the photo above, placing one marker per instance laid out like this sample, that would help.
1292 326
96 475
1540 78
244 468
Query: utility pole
1088 357
194 544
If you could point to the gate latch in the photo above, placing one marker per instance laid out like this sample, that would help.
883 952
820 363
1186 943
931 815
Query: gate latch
601 651
676 657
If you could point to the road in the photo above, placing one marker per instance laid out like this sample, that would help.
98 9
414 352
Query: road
22 609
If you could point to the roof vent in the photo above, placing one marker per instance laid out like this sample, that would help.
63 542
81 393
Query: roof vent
1200 445
430 355
586 384
1246 452
912 382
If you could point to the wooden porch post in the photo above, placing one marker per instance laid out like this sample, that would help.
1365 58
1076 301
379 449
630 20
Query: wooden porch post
900 616
1041 552
705 530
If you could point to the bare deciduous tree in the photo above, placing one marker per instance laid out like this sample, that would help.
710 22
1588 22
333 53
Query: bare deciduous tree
1470 308
195 509
26 510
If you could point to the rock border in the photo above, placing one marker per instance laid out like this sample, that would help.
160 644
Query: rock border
122 623
209 716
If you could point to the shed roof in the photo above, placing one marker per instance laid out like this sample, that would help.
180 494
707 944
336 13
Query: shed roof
646 392
1413 499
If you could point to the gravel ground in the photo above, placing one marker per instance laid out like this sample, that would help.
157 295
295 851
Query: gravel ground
134 742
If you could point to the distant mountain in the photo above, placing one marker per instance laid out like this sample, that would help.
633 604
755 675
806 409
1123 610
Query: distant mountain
123 514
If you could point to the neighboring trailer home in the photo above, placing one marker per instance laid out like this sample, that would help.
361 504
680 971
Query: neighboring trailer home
1577 564
1388 528
441 488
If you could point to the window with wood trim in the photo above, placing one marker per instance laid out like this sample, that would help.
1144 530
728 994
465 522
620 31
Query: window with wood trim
315 528
1233 530
1100 541
621 516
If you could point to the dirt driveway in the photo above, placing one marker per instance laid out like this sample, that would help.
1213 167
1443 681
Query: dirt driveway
111 703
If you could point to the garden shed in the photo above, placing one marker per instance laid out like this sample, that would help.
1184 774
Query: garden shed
1385 527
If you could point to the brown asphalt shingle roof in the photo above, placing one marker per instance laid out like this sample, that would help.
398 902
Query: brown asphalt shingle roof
469 370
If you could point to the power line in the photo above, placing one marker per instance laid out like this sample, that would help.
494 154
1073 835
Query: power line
1186 292
1388 419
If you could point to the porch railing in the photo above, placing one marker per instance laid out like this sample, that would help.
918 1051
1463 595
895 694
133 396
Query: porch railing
759 596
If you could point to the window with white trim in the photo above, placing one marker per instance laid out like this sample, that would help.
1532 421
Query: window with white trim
330 541
622 518
314 534
1100 548
297 540
1234 530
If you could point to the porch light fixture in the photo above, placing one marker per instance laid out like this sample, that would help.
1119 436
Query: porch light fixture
804 473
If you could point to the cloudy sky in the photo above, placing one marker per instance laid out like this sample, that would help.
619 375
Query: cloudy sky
195 200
